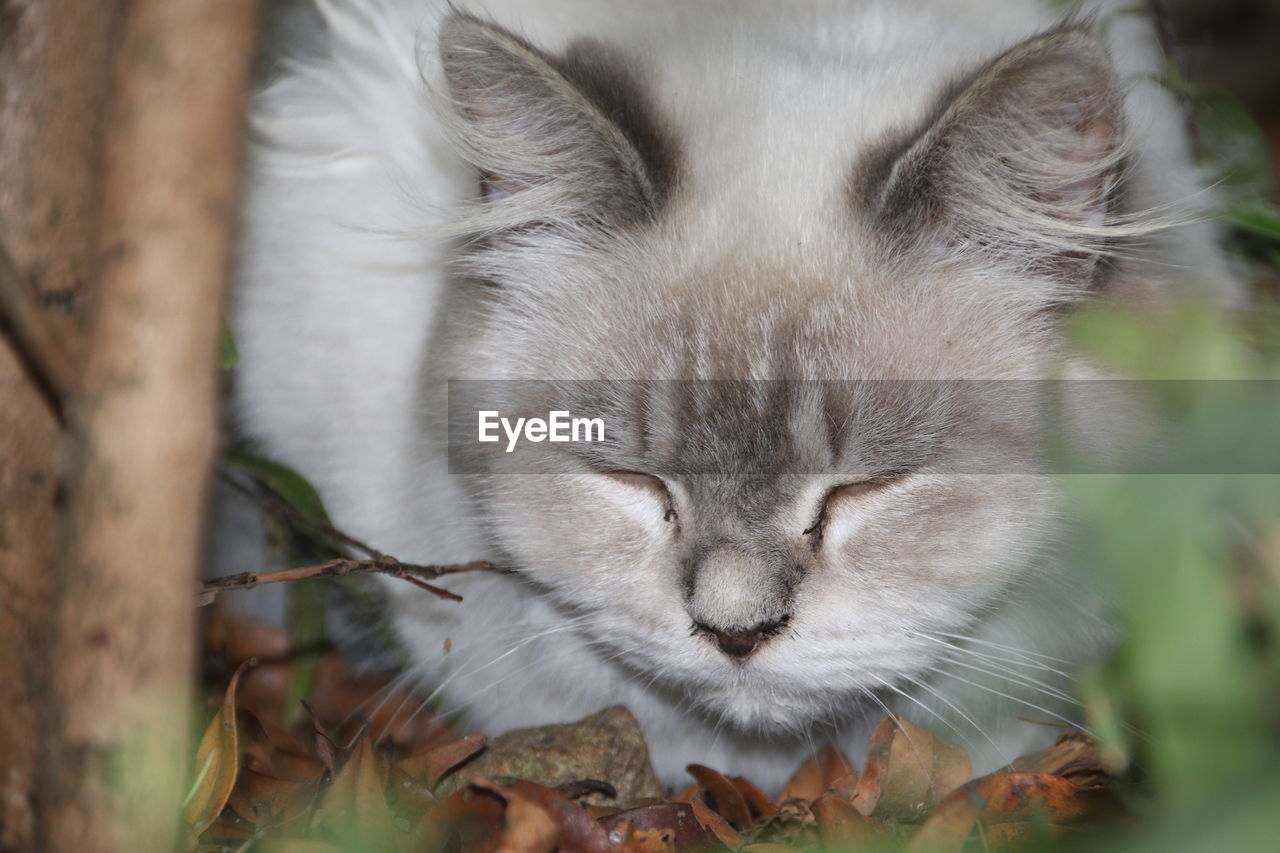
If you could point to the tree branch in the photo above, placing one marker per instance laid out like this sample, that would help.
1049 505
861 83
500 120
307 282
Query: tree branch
414 574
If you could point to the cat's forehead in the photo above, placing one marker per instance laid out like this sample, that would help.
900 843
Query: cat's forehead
827 312
760 436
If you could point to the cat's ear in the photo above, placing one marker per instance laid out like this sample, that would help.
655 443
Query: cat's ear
1019 163
568 138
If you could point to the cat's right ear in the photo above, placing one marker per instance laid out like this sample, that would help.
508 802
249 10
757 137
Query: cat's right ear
547 135
1019 164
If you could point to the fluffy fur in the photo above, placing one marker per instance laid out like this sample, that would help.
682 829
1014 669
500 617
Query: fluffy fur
583 189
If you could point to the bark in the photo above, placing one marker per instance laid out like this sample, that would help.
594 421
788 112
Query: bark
142 430
53 62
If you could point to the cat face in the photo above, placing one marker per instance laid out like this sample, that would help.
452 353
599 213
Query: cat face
766 549
809 479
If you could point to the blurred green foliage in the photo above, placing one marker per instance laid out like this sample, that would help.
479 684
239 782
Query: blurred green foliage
1189 701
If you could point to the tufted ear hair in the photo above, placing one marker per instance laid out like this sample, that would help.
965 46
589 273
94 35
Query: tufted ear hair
568 139
1019 164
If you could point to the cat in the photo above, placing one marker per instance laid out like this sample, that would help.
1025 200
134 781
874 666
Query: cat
823 191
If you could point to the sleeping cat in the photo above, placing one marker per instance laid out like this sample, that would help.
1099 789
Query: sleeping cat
802 195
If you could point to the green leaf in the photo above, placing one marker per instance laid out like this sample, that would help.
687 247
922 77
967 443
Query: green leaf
1261 220
287 484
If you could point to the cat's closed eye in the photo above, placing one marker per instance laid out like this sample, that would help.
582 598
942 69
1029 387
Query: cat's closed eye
845 491
641 480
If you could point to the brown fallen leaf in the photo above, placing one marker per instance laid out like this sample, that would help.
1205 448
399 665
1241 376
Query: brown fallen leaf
628 838
273 805
827 769
715 824
722 795
217 762
842 826
908 771
527 827
576 829
667 823
761 806
431 766
1073 756
470 819
1008 807
268 749
356 798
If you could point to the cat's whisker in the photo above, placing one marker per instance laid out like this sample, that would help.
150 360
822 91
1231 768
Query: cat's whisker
383 694
1007 675
1022 660
524 670
1001 668
905 695
989 689
1010 649
922 685
465 671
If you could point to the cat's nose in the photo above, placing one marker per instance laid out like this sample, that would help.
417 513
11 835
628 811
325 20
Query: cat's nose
740 643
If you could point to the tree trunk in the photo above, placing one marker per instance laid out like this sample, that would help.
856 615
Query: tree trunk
53 87
124 200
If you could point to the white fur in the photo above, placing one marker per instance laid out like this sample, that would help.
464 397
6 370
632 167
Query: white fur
350 189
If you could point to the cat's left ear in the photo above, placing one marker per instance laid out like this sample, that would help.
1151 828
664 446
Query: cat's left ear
1019 163
567 138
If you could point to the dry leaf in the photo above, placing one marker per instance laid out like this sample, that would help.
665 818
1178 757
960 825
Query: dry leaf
217 763
431 766
1072 756
651 823
356 797
268 749
272 804
758 800
1009 806
473 816
827 769
527 827
841 825
715 824
577 830
723 795
908 771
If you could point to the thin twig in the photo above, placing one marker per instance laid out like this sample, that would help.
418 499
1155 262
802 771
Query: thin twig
414 574
37 342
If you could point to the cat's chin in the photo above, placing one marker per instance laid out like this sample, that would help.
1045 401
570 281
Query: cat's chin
758 709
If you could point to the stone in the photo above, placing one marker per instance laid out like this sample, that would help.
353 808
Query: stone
607 746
